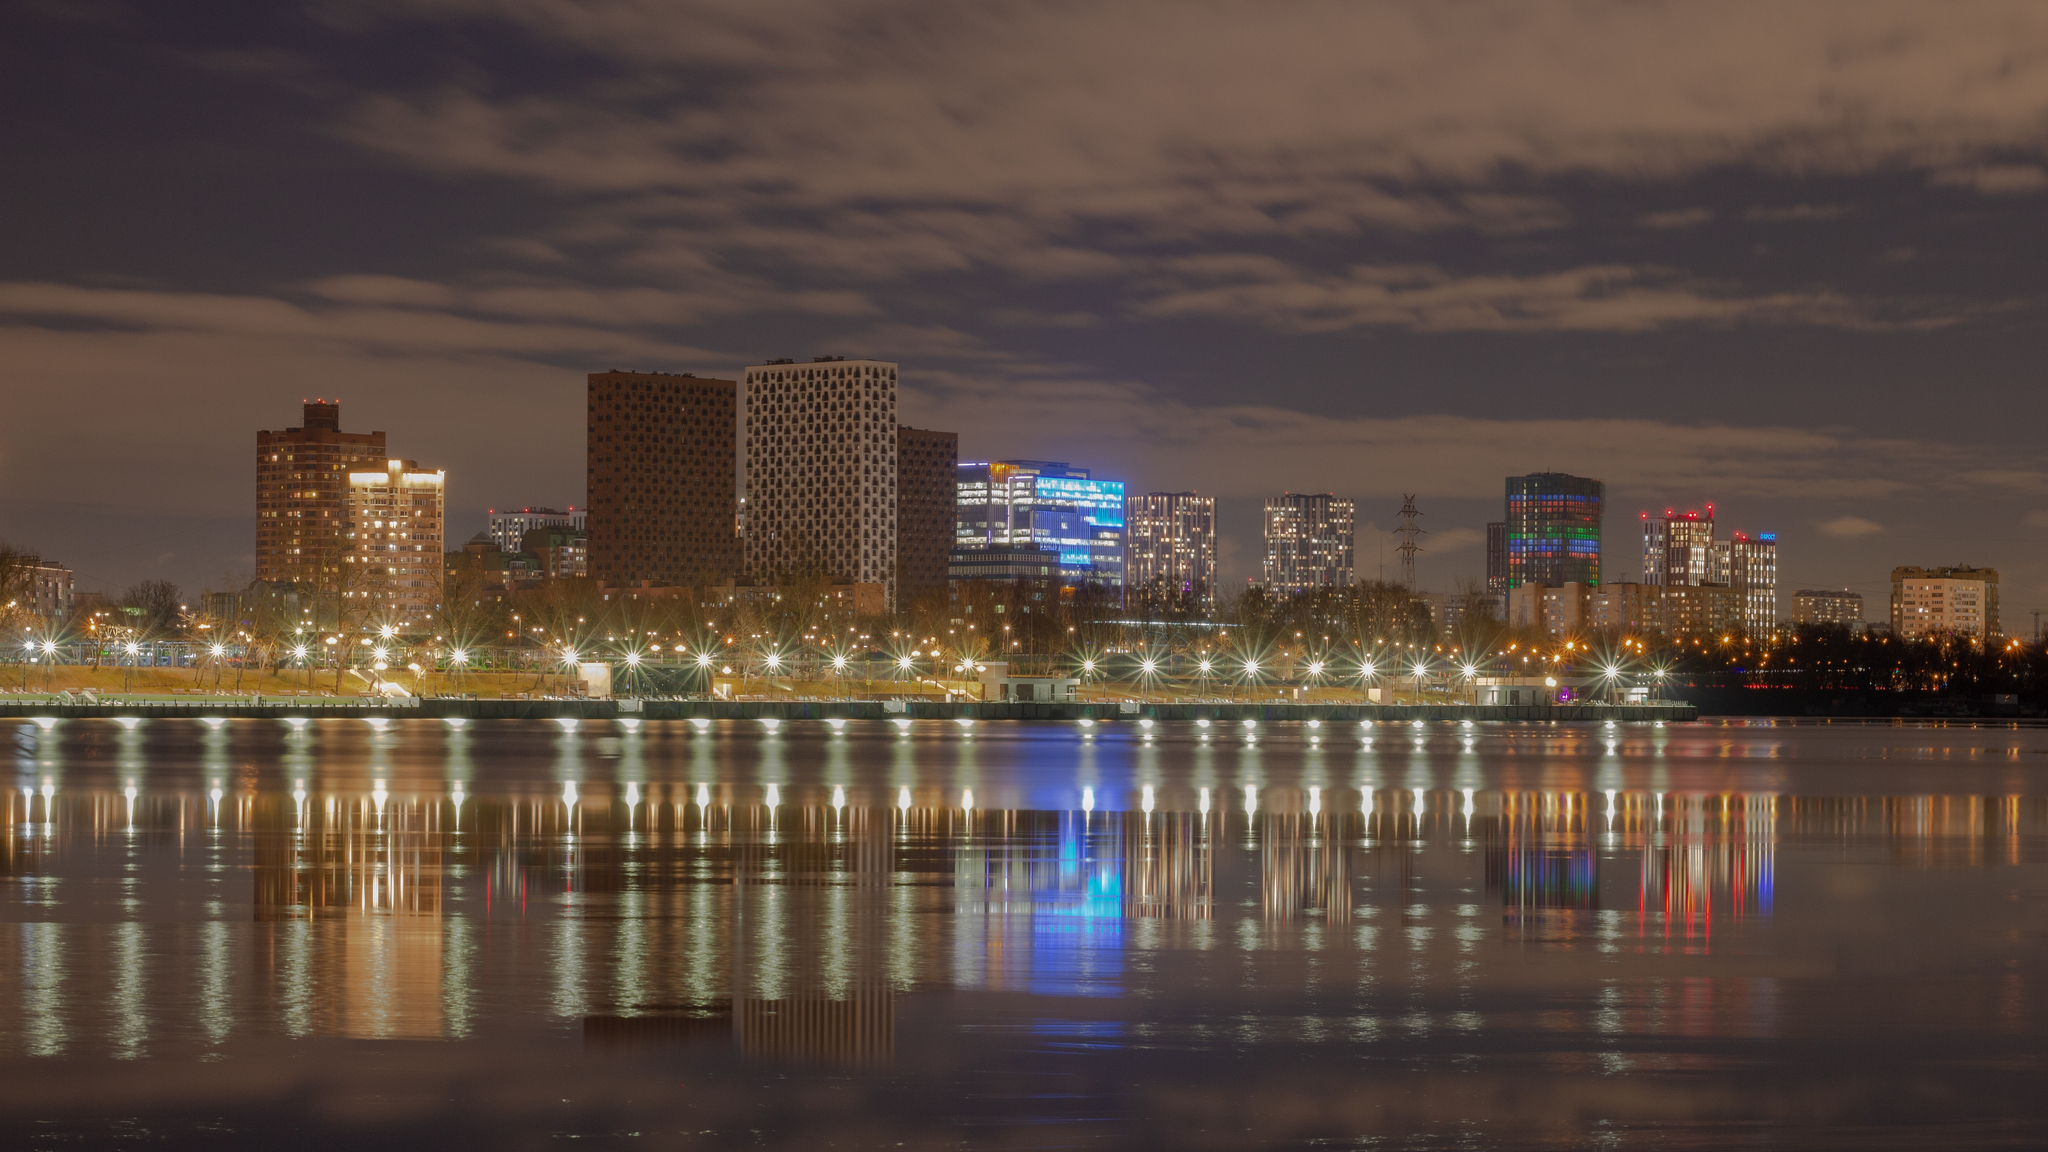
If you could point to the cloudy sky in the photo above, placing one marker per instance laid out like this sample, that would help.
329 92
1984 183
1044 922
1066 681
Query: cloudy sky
1785 258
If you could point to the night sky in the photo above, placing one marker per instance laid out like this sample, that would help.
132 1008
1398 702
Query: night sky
1785 258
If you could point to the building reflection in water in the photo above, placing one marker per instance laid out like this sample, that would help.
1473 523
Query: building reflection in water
372 868
1695 858
698 913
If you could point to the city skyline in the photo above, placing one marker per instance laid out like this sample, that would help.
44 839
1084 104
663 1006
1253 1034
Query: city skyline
1748 296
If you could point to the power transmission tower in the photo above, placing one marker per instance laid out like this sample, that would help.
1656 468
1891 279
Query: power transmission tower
1408 532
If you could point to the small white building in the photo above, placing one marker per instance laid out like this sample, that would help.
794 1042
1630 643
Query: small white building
1026 688
1522 690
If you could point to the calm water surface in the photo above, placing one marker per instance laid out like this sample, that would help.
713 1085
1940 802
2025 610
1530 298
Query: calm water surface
511 935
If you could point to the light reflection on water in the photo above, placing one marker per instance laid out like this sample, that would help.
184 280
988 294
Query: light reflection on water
968 911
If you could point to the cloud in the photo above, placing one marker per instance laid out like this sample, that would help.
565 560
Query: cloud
1608 298
937 101
1996 179
1244 450
1676 218
871 140
1850 526
2035 519
1796 213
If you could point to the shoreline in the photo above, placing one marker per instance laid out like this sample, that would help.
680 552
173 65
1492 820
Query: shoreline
455 708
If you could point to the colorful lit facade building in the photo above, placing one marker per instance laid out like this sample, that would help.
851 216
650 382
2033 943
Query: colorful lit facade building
1171 544
1553 529
820 460
394 533
1310 541
1026 504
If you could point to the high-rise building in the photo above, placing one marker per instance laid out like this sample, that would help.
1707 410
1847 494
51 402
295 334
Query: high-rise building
1553 529
1945 602
821 471
302 491
1171 544
509 526
1678 548
1826 606
1752 571
1680 551
926 508
1044 504
662 494
394 531
1309 542
1497 557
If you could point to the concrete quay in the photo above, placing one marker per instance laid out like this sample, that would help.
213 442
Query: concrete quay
448 707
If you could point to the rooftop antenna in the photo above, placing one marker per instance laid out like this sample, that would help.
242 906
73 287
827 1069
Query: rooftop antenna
1408 532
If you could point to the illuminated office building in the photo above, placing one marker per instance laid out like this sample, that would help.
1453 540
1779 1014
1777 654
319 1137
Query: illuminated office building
1553 529
1013 504
926 508
1308 542
1497 557
302 493
1945 602
1171 548
661 503
820 463
1752 571
1678 549
394 536
508 527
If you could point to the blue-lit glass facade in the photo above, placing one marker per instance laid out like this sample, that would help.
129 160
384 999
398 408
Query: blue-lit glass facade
1048 504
